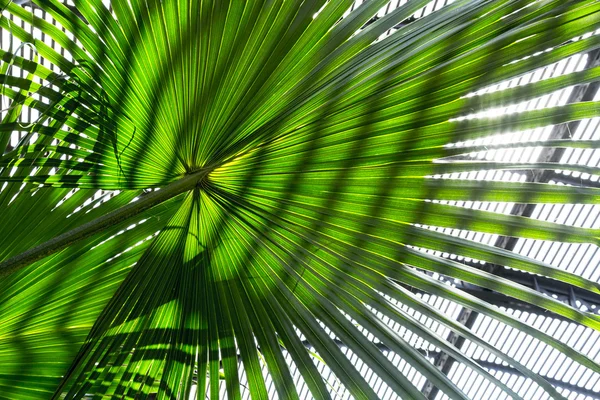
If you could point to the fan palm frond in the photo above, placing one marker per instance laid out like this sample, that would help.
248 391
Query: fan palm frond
218 188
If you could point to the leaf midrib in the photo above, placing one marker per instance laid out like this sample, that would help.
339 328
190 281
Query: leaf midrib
62 241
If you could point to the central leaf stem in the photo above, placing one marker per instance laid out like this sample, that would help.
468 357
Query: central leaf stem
60 242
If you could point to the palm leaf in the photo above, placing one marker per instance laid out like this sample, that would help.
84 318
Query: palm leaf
215 194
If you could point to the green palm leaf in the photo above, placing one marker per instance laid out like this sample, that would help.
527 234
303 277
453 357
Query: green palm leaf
218 193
